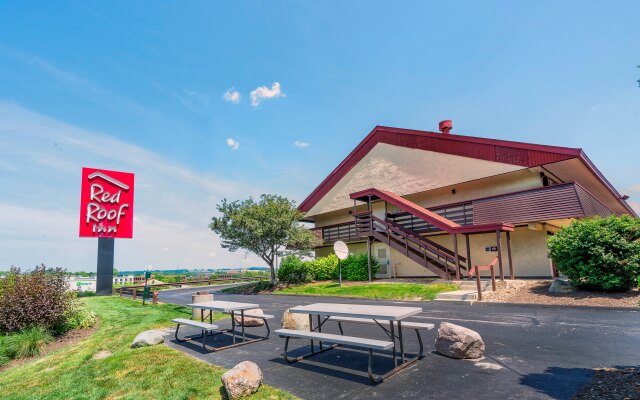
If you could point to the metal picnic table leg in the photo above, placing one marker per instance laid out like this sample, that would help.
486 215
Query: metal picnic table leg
320 330
233 327
311 330
393 337
401 341
242 321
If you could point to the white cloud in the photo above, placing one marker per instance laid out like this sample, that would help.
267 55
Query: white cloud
39 213
233 144
301 145
262 92
232 96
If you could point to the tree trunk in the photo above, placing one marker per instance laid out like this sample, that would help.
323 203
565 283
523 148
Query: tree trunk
273 273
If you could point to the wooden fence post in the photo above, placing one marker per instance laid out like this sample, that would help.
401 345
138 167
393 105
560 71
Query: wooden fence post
134 294
155 297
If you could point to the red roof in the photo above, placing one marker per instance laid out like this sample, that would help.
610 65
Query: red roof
503 151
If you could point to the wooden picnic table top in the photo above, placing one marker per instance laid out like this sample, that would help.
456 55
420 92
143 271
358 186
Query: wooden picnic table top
384 313
224 306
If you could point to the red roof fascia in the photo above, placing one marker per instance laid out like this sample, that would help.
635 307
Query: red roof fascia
591 167
509 152
429 216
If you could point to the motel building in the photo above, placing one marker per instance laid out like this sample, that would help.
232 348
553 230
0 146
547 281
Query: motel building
430 204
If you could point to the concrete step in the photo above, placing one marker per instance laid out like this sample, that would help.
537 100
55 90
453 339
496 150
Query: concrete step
472 285
459 302
458 295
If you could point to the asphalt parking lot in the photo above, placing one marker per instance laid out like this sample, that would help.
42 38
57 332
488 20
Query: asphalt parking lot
537 352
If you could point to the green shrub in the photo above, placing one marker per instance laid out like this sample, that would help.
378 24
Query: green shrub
355 268
86 293
599 253
76 319
293 270
26 343
325 268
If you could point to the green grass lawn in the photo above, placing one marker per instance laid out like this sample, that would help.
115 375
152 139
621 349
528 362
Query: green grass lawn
156 372
393 291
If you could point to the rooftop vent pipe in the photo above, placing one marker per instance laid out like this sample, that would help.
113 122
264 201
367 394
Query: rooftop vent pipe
445 126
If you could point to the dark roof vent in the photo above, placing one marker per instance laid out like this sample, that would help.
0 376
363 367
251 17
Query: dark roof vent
445 126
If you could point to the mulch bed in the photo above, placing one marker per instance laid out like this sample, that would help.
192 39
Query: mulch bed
537 292
612 384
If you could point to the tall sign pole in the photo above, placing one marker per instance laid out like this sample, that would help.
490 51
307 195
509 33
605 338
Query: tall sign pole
106 213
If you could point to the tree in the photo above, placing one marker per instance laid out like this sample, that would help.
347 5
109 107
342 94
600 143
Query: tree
268 228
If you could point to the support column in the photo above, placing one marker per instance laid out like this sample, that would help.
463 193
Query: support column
499 245
104 276
369 256
511 274
469 265
456 255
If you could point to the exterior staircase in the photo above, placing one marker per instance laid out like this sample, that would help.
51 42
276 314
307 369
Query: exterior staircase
430 255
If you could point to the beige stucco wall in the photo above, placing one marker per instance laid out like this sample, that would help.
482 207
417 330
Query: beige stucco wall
404 171
529 250
492 186
495 185
355 248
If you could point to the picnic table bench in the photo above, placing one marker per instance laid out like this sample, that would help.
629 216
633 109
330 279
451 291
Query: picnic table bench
363 314
210 329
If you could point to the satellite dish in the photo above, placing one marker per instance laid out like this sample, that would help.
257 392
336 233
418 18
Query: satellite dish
341 249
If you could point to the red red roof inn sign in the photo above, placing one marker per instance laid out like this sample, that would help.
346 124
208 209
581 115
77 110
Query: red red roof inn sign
106 204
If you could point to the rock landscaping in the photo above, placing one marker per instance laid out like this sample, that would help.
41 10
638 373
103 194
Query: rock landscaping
522 291
298 322
248 321
459 342
612 384
148 338
242 380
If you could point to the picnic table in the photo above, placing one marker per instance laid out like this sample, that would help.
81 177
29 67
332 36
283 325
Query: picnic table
210 329
390 318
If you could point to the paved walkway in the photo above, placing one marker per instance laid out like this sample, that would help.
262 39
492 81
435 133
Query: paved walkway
532 352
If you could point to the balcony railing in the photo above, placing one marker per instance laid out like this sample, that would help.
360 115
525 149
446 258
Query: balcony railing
332 233
460 213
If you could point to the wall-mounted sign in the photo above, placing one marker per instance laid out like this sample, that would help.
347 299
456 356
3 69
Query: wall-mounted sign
106 204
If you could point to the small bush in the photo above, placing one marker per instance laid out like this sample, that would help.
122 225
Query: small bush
26 343
325 268
33 298
599 253
356 268
86 293
293 270
76 319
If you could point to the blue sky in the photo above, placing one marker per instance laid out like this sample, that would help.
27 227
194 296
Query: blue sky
139 86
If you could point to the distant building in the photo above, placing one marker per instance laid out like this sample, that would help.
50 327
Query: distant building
81 284
123 280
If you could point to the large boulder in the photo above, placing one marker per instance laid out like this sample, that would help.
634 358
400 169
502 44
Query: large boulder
248 321
296 321
459 342
561 285
242 380
148 338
